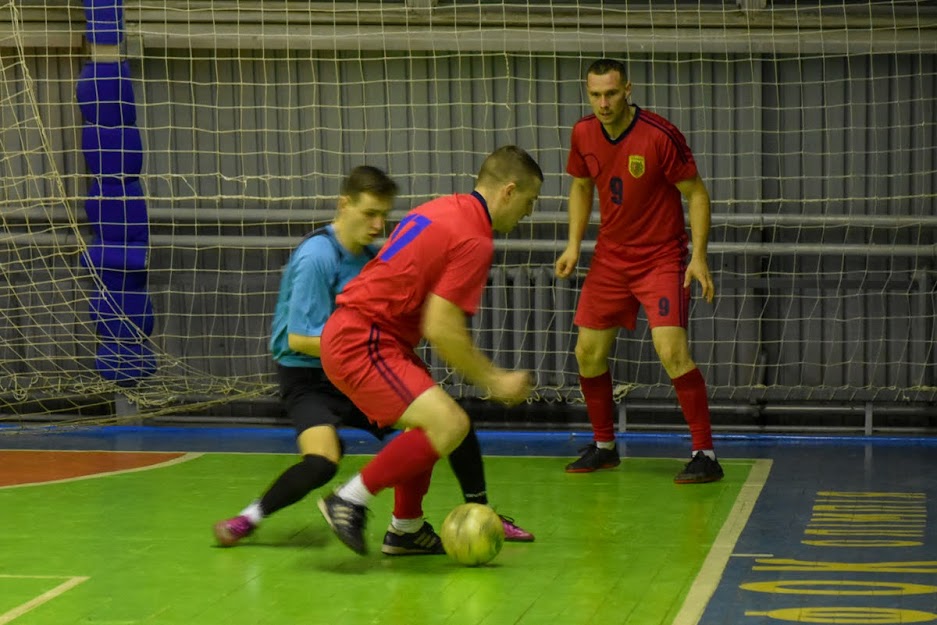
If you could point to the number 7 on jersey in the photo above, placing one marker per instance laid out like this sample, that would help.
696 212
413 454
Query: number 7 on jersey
403 234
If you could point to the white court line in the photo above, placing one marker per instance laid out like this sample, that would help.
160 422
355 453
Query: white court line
752 555
708 578
20 610
159 465
13 576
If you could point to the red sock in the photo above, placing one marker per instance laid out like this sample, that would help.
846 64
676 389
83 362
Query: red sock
403 459
408 496
600 405
691 393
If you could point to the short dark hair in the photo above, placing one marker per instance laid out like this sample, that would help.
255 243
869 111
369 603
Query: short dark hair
367 179
509 163
604 66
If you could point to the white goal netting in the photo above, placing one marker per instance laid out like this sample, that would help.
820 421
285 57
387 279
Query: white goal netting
813 126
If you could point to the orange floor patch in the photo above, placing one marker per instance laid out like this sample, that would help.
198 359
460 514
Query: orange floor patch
34 467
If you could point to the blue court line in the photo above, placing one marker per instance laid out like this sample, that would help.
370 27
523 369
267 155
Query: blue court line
494 442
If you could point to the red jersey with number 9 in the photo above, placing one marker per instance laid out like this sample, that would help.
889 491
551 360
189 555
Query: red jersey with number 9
635 176
444 246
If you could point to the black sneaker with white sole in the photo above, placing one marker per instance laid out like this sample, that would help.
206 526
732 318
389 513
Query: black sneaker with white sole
347 520
423 542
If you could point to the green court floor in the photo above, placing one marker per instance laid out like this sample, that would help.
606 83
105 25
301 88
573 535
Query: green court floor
614 547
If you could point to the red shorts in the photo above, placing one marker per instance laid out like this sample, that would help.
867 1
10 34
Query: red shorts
379 373
617 285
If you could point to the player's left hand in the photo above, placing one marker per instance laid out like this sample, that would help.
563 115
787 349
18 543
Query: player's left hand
511 387
699 269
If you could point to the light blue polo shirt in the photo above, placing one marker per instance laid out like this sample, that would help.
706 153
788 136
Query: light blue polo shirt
317 271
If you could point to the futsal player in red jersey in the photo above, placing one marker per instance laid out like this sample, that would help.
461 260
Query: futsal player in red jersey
641 166
424 283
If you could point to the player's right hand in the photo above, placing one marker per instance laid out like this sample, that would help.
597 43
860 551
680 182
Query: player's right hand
566 263
511 387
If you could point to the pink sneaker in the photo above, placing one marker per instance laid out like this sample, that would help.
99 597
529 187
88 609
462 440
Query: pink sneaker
229 532
513 533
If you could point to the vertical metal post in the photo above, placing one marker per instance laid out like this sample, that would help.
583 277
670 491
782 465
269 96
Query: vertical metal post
920 344
126 411
868 418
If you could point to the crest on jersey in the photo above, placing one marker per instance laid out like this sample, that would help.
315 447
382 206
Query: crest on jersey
636 165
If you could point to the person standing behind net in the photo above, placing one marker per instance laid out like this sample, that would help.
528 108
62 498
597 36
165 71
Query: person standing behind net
317 271
641 165
425 281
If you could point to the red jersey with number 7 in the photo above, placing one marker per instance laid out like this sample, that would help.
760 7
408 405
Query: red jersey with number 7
635 176
444 246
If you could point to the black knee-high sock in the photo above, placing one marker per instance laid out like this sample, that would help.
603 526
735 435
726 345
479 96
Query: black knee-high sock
466 463
297 482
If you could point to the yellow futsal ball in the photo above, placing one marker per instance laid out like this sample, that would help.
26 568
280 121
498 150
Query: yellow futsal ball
472 534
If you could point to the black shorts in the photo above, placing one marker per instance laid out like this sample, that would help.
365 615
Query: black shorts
310 399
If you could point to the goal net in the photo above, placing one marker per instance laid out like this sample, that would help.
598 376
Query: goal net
813 126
